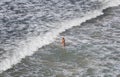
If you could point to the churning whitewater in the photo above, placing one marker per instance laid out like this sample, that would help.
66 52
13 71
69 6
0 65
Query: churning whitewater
27 25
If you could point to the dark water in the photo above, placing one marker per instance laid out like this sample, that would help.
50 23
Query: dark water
92 48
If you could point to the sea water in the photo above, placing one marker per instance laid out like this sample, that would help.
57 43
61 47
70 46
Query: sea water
31 31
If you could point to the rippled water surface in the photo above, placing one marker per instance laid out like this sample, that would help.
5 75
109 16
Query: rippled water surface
32 31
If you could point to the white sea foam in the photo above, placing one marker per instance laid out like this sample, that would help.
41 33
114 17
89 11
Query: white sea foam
31 45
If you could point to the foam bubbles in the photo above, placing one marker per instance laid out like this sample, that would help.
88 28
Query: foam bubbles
32 44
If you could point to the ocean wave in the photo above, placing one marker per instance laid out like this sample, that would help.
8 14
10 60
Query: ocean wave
32 44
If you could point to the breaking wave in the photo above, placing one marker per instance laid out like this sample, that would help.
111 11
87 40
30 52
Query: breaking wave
32 44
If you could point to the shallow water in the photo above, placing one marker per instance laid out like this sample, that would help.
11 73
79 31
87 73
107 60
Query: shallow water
92 50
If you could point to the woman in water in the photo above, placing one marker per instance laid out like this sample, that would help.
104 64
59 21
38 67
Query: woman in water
63 42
